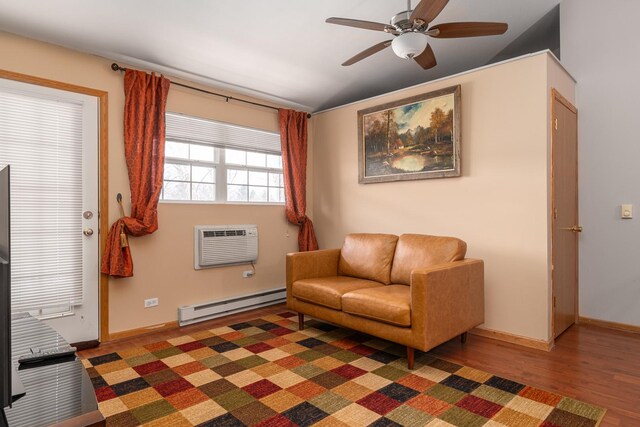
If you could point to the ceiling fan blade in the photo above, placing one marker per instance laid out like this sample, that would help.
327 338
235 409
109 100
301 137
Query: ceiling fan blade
426 59
367 25
427 10
367 52
467 29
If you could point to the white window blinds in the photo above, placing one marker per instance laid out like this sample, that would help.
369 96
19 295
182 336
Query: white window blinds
183 128
41 138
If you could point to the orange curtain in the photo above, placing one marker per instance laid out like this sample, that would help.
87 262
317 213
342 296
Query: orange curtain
144 137
293 137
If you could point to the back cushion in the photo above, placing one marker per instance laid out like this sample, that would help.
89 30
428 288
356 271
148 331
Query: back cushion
421 251
368 256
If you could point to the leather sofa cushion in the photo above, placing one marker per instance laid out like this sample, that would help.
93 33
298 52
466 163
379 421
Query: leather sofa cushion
422 251
328 291
368 256
389 304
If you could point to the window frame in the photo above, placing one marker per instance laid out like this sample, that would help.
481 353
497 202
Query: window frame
221 168
190 129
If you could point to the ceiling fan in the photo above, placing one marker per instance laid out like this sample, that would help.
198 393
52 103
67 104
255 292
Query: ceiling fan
411 29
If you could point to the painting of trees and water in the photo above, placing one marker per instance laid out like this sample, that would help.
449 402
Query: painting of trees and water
412 140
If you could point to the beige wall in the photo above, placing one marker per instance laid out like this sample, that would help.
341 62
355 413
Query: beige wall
498 205
164 261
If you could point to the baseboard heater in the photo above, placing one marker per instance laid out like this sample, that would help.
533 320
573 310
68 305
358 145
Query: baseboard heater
190 314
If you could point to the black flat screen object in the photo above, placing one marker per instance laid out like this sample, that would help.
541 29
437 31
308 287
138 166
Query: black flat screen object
10 386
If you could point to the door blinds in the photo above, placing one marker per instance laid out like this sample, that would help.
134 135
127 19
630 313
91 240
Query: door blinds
41 138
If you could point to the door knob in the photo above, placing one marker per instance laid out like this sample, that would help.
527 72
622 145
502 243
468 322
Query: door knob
87 231
575 229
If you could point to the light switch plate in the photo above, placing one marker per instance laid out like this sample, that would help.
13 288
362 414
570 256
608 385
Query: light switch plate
626 211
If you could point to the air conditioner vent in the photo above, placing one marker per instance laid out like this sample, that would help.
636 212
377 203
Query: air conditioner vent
221 233
221 245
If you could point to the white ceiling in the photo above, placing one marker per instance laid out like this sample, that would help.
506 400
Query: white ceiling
279 50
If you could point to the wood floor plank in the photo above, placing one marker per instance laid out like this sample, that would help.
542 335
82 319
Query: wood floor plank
590 363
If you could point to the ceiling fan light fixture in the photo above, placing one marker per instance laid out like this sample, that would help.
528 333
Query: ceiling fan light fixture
410 44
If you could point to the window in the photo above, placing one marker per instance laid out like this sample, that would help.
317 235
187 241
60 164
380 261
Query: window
189 172
207 161
254 177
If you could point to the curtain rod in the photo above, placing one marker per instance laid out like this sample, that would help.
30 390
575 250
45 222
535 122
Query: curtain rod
116 67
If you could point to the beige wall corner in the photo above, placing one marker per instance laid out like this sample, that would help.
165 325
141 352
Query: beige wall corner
498 205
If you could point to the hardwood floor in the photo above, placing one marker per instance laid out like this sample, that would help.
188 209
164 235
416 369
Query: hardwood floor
597 365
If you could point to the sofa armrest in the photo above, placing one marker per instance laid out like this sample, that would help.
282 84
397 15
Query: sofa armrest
307 265
447 300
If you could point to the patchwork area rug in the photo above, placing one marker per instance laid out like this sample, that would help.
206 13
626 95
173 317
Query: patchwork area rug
267 373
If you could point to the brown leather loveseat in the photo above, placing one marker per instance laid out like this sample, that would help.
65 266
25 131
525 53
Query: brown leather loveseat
415 290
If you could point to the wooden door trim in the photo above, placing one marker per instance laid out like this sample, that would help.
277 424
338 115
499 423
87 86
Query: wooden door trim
564 101
555 95
103 179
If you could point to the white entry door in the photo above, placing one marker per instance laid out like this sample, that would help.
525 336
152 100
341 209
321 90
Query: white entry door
50 138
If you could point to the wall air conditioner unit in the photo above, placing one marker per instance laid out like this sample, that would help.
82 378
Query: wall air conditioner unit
222 245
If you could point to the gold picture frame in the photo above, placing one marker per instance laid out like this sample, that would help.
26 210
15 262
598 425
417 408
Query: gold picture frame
414 138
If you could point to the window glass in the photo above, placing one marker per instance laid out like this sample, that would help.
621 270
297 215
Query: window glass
177 150
235 157
235 176
258 178
275 179
274 162
176 172
237 193
274 194
202 153
257 194
203 172
176 190
256 159
203 192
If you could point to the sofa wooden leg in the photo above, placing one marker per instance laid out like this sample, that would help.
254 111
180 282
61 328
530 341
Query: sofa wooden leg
410 357
463 338
300 321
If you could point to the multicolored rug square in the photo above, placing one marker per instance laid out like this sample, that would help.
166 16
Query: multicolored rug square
267 373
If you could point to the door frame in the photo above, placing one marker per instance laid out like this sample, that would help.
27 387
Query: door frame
103 179
557 96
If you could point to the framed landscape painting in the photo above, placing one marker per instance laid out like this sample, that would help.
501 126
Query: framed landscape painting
414 138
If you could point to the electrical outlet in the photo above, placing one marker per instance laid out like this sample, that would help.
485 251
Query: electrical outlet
247 273
151 302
